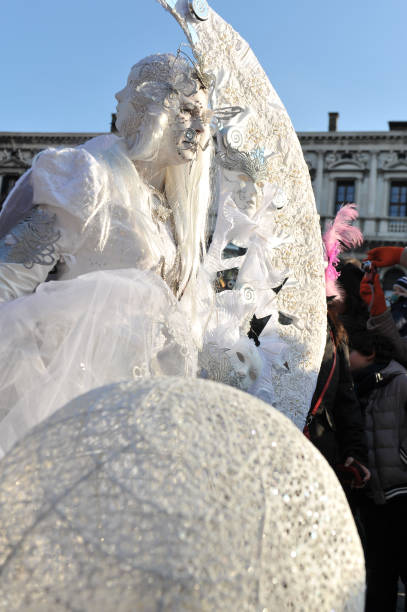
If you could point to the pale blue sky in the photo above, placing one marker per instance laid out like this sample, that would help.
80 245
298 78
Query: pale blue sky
62 61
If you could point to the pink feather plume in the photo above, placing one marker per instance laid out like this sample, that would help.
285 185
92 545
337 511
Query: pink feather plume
339 235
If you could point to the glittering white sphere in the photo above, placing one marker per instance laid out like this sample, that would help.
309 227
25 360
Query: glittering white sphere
176 495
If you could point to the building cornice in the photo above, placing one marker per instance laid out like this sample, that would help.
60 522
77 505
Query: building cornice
327 138
344 138
38 139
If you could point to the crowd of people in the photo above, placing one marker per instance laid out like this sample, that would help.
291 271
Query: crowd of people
358 415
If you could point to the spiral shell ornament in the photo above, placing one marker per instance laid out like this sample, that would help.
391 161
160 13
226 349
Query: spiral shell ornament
233 137
248 294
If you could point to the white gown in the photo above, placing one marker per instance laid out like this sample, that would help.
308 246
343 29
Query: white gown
109 316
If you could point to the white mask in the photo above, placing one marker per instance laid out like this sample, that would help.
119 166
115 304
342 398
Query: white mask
246 194
245 362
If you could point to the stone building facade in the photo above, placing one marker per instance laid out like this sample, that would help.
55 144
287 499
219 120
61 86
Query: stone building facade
369 168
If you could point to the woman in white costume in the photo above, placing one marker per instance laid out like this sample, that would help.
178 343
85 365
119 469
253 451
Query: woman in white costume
123 219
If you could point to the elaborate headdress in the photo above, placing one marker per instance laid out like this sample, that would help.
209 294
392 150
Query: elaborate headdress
165 75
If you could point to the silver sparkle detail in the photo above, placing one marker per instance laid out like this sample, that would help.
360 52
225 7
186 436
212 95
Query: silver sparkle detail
154 495
32 241
190 135
252 163
199 9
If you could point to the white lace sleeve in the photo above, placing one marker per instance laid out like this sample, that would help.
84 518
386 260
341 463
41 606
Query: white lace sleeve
66 184
27 254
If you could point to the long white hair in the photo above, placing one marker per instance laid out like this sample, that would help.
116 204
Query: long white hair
187 188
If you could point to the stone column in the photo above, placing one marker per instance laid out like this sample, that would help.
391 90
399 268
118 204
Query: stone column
370 225
318 184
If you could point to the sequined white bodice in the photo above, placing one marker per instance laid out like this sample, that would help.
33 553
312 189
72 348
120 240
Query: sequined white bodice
102 176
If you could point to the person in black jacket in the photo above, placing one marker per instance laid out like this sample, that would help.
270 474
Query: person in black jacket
381 385
335 423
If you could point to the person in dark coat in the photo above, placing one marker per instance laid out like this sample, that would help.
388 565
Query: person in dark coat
335 424
381 385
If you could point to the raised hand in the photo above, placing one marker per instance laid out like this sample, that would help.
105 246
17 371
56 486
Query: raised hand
384 256
371 292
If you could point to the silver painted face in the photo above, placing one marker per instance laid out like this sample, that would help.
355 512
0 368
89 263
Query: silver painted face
187 128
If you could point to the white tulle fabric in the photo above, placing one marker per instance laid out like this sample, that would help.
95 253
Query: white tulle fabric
110 313
253 294
72 336
177 495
